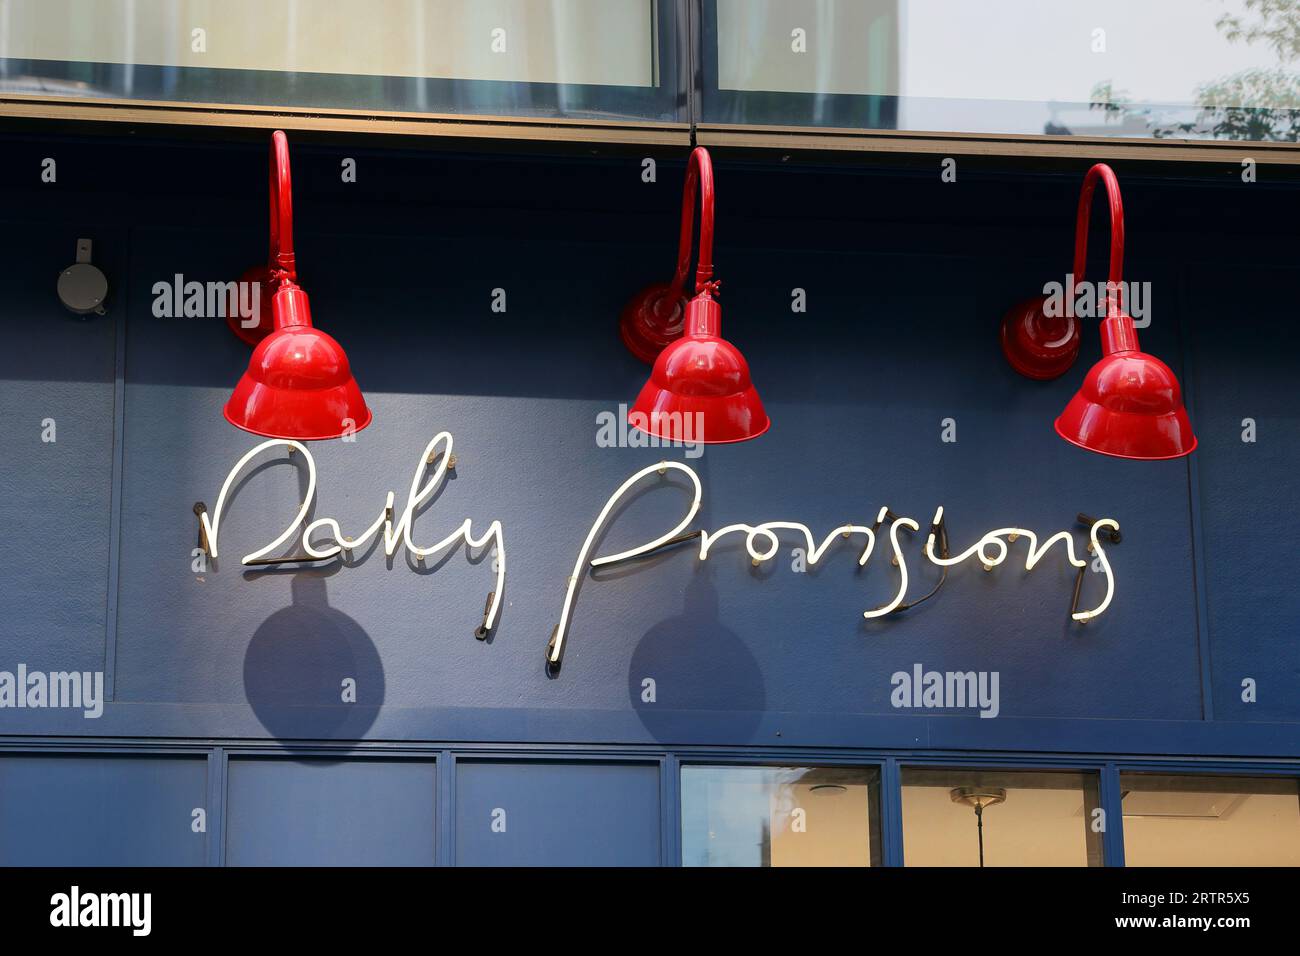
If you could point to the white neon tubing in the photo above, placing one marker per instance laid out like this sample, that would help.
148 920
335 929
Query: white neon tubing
902 564
1035 554
707 539
394 533
1084 616
556 648
417 496
994 538
662 539
765 530
211 525
344 543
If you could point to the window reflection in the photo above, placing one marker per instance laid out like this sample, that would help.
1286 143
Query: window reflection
780 816
1186 820
509 57
1029 818
1228 69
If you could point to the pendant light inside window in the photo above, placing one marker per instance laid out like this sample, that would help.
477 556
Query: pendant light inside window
978 798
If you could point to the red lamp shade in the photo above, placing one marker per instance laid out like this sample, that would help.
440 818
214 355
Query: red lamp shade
299 384
1130 404
700 389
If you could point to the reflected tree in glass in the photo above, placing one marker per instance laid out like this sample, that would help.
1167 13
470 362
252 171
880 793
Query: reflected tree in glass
1259 104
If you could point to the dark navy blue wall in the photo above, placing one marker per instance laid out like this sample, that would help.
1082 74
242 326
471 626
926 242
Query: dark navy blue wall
906 279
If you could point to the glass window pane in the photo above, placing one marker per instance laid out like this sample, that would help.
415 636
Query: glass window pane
1185 820
780 816
574 58
1024 818
1107 68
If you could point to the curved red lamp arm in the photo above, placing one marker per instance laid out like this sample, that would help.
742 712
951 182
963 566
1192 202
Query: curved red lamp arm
699 175
1107 176
654 318
282 263
1042 346
1130 404
281 268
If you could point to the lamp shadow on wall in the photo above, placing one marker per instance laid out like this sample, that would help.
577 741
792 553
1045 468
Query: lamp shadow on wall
305 661
695 661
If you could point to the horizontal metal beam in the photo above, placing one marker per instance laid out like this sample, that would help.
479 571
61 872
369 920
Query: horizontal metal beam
639 132
834 140
76 109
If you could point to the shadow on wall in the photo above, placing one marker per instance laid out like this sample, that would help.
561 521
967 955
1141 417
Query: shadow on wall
310 671
695 664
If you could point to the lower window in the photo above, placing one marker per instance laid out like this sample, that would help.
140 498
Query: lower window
780 816
1175 819
966 817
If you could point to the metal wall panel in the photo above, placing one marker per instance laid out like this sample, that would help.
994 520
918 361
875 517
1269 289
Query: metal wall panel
329 812
102 810
557 814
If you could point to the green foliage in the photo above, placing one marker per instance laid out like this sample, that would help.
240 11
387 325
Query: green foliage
1261 104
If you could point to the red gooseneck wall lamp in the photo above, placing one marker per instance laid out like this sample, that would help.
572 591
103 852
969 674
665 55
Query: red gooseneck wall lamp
1130 404
700 388
299 384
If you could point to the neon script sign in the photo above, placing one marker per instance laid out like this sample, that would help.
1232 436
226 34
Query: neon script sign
762 542
323 538
395 532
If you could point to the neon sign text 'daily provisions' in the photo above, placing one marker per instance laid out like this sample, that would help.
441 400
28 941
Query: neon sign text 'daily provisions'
323 538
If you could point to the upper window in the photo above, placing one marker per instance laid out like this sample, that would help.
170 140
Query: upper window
1193 69
1164 69
609 59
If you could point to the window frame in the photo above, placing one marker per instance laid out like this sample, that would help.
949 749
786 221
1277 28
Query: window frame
687 57
669 761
